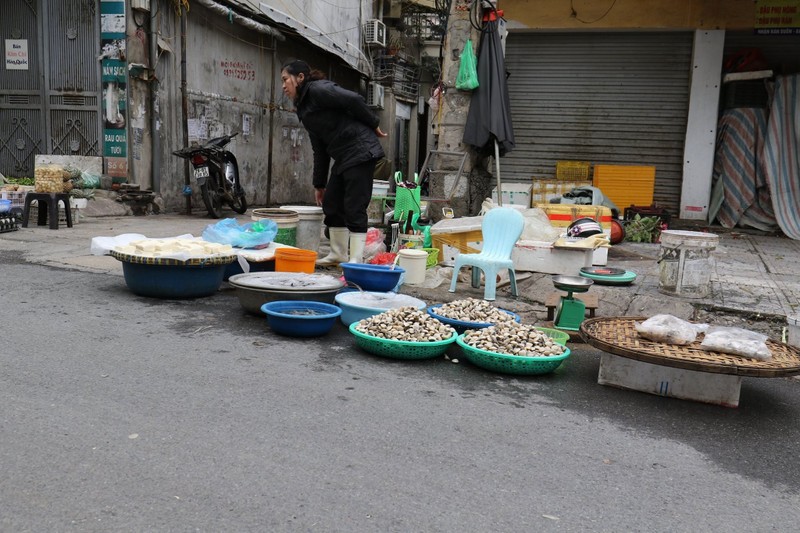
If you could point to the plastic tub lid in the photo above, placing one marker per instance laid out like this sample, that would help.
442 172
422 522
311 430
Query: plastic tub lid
303 209
379 300
286 281
412 253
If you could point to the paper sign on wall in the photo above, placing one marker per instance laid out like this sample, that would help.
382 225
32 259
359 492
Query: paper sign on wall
16 54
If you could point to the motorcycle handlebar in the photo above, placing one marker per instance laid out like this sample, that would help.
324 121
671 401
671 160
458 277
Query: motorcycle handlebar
216 143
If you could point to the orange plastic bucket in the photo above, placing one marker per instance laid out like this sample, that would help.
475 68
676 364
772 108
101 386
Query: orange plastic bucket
295 260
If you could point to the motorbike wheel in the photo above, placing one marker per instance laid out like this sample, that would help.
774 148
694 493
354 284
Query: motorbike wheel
239 202
211 197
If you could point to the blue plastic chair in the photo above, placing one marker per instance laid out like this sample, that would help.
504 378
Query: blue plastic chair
501 228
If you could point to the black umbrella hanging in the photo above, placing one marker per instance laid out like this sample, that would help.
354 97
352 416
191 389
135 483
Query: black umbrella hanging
488 126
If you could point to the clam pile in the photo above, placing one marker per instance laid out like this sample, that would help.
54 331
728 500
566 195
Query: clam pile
513 339
405 324
473 310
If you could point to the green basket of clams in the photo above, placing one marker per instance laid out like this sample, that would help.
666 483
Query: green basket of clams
403 333
514 349
396 349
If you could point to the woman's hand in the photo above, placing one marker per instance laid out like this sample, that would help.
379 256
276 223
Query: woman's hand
379 133
318 195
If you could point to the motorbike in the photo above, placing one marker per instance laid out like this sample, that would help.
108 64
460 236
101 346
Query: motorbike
216 172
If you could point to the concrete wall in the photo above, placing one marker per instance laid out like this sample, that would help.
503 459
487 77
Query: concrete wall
233 83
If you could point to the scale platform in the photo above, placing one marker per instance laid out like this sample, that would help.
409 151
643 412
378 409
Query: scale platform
608 275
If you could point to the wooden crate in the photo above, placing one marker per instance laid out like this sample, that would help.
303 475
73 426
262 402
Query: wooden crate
572 170
542 189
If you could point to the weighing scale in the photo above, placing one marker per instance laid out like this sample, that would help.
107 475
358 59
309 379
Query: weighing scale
608 275
571 311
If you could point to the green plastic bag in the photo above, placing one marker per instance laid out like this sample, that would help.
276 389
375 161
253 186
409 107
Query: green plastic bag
467 79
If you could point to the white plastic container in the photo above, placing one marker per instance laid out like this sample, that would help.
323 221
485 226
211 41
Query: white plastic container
685 263
793 330
414 263
309 225
540 256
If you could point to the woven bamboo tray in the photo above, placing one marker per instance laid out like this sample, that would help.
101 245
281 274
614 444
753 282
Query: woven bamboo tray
618 336
167 261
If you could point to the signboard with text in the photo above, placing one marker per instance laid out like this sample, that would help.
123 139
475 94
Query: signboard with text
777 17
16 54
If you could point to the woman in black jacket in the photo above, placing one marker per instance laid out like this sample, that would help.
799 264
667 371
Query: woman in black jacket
341 127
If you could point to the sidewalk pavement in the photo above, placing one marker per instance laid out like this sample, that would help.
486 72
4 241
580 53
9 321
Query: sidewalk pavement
753 274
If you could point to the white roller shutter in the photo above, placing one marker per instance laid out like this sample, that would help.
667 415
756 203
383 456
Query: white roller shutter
606 97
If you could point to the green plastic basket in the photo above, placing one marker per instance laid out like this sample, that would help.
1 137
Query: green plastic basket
561 337
433 257
406 200
511 364
400 349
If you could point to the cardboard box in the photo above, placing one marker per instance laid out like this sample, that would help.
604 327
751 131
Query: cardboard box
539 256
562 215
514 194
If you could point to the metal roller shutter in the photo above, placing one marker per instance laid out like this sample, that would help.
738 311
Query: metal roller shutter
618 98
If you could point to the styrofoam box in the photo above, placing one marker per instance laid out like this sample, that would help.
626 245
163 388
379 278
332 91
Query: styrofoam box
706 387
514 193
541 256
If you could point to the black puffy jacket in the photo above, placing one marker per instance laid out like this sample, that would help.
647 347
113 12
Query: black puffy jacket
340 125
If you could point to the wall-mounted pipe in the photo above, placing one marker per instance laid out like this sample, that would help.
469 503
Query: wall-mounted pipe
155 114
239 19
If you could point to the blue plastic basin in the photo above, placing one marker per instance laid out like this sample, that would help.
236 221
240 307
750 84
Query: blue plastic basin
379 278
298 318
173 281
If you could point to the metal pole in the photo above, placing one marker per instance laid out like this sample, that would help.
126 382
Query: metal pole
270 137
155 137
185 109
497 166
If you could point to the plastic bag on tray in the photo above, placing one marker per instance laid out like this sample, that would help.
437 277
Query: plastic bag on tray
737 341
669 330
256 234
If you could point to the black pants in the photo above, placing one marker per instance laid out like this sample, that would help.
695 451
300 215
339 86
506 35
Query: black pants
347 197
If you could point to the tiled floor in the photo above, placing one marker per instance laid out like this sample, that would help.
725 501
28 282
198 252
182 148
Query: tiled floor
756 273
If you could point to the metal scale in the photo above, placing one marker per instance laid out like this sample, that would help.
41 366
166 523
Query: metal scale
570 311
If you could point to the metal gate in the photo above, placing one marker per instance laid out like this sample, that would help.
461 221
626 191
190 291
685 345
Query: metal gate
617 98
50 87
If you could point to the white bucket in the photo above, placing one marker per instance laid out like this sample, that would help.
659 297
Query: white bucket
685 263
408 240
793 330
309 225
414 263
285 220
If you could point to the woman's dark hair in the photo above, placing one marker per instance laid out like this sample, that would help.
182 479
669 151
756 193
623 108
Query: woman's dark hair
298 67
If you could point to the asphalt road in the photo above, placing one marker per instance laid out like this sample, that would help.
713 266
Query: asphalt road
122 413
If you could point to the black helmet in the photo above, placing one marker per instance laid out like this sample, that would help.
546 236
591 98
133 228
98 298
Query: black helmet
584 227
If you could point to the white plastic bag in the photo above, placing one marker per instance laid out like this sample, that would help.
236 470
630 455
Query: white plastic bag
669 330
737 341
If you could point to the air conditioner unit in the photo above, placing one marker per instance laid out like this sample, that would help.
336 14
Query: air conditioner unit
375 95
375 33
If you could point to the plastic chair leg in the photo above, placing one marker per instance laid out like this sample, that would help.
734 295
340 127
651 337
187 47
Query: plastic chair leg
476 277
67 212
512 278
453 282
491 286
52 212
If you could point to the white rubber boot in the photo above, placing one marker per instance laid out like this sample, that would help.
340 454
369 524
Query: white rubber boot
338 253
357 242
